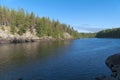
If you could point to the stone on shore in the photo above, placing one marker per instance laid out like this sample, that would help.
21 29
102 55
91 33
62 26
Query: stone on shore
113 62
100 77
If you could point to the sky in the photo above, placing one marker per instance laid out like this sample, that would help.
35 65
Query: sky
82 15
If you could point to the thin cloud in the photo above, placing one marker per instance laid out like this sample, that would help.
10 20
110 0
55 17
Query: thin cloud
88 28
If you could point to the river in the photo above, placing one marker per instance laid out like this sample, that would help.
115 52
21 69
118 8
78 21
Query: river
81 59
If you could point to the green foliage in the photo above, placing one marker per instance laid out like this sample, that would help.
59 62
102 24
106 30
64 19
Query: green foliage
109 33
12 29
21 21
21 30
87 35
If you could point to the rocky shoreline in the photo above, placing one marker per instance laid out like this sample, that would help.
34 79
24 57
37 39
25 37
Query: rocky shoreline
29 40
7 37
113 62
23 40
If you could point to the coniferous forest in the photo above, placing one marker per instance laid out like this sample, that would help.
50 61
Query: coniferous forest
109 33
20 21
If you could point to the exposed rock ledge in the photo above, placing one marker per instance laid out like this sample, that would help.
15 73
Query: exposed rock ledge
113 62
7 37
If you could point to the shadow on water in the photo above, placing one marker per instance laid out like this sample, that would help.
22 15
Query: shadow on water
81 59
15 56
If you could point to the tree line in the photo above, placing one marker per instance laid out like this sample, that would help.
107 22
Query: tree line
109 33
20 21
87 35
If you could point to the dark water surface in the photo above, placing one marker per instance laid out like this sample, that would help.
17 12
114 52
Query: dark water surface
81 59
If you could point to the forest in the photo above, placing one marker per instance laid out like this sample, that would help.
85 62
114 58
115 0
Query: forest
109 33
20 21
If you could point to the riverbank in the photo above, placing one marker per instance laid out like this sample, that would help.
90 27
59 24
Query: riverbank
20 40
7 37
113 62
29 40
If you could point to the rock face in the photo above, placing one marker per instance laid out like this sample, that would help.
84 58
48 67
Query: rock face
7 37
67 35
113 62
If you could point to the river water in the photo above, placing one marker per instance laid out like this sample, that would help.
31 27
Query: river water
81 59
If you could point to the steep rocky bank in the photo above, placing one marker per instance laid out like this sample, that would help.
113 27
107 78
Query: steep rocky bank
113 62
7 37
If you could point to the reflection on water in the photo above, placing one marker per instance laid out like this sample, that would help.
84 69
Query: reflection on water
81 59
17 55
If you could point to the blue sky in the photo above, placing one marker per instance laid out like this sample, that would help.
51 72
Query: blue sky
83 15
